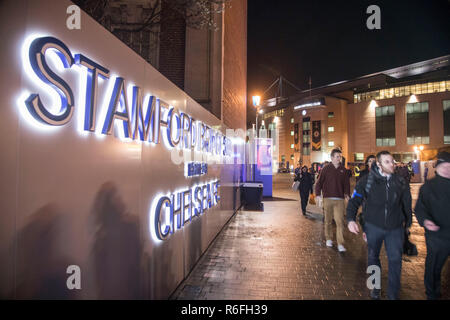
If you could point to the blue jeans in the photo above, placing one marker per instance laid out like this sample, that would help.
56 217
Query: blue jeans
393 242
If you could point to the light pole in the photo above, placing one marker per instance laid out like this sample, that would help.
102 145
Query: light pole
256 101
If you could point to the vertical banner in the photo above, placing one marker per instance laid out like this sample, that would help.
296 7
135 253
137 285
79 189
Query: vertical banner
296 133
316 136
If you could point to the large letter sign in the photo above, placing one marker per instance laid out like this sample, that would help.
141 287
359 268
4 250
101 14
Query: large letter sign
34 104
141 117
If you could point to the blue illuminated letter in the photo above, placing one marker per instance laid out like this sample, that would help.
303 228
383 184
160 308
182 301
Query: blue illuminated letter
34 104
93 71
118 97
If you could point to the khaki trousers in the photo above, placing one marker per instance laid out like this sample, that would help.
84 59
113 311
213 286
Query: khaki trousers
334 209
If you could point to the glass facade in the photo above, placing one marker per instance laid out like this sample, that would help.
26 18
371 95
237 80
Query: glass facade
420 88
385 126
446 104
276 113
306 133
417 123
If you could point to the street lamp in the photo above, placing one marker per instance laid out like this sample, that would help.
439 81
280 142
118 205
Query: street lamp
256 101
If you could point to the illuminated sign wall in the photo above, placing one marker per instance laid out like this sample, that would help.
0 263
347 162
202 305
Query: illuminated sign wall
145 119
106 164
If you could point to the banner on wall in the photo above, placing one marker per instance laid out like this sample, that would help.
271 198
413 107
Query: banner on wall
296 133
316 136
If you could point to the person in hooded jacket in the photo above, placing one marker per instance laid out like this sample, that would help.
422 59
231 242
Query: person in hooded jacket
305 188
386 199
368 163
432 212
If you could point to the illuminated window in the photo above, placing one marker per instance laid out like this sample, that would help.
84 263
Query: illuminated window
385 125
446 121
331 143
306 150
292 120
417 123
306 125
359 157
330 114
292 133
292 146
330 129
407 90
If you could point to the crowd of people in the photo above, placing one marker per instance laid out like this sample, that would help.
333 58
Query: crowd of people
380 208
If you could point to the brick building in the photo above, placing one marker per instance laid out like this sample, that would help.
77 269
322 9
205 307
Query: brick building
405 110
209 64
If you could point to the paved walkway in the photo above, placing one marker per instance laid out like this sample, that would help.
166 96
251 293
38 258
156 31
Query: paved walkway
279 254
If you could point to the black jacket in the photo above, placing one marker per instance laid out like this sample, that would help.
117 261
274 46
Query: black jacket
434 204
362 173
388 203
306 182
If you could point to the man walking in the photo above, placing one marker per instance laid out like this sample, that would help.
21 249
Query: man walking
334 182
386 199
432 212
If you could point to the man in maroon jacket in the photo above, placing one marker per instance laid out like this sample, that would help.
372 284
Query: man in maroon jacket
334 183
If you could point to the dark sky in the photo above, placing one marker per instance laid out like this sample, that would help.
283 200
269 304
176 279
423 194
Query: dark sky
329 40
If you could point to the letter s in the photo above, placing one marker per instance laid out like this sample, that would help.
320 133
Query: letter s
34 104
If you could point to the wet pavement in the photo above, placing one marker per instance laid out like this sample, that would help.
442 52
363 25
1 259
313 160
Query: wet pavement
279 254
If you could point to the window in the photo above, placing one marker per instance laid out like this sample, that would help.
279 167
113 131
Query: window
292 146
385 126
306 125
446 121
359 157
292 120
306 137
330 114
292 133
417 123
331 143
330 129
306 150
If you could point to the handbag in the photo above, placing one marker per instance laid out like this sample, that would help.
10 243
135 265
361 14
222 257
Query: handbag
295 185
312 199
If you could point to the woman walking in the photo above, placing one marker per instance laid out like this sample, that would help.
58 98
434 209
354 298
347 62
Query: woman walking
305 188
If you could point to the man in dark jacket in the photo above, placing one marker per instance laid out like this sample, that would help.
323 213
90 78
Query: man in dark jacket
433 213
387 212
305 188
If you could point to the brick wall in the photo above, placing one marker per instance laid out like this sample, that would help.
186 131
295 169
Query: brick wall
235 65
172 46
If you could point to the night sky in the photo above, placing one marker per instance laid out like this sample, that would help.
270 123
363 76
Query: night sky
329 40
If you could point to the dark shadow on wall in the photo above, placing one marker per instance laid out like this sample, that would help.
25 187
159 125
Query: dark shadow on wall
41 264
117 248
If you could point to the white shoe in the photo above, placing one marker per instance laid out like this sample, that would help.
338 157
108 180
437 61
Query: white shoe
329 243
341 248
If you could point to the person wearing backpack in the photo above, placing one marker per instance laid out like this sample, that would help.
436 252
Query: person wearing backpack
432 212
386 199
